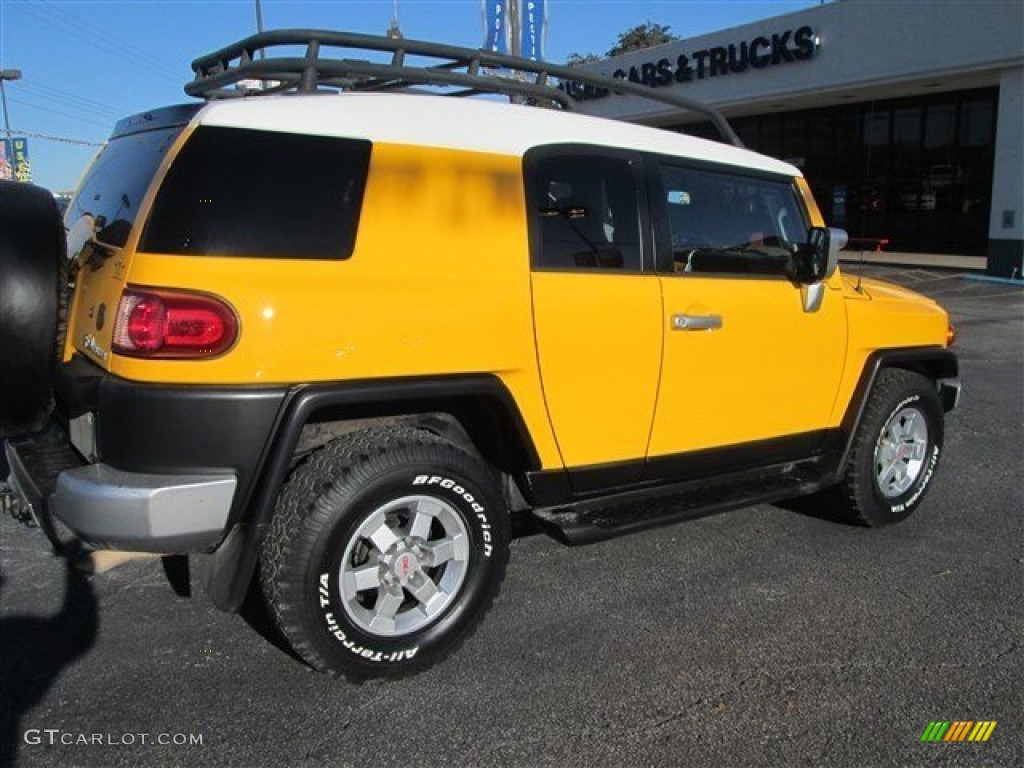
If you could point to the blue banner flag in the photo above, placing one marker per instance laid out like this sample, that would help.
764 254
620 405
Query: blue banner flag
534 29
495 26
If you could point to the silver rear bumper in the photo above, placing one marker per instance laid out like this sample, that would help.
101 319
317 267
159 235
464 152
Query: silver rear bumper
111 509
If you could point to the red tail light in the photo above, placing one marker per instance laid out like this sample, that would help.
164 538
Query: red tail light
173 324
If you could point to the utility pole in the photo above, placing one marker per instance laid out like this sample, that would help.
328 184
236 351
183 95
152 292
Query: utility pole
513 27
7 74
259 26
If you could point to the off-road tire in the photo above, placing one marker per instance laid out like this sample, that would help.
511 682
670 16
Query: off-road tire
903 409
32 256
325 512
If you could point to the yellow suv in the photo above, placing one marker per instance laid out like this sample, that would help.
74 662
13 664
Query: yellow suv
339 341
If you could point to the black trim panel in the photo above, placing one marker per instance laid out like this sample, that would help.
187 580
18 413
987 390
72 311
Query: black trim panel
555 487
934 362
76 386
735 458
231 567
187 429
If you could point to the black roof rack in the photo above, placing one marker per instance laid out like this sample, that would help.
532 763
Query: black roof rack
463 71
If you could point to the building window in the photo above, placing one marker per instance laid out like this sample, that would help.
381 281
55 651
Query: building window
916 172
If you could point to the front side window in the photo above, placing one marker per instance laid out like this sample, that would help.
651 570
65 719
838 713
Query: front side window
238 192
586 211
724 223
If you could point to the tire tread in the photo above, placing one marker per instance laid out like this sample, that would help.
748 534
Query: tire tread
334 470
890 385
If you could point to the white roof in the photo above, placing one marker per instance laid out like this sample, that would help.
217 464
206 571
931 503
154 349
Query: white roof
463 123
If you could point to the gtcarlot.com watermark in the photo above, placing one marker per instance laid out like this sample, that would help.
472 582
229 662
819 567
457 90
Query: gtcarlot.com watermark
56 736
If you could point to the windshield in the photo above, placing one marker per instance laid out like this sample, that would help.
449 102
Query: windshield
116 182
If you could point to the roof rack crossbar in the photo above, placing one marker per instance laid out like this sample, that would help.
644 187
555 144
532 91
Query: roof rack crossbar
474 71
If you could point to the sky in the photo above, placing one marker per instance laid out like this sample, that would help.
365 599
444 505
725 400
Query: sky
87 63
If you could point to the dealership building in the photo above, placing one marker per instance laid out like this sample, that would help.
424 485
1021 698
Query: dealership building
906 116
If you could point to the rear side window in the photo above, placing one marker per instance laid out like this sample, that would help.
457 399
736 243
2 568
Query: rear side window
587 211
237 192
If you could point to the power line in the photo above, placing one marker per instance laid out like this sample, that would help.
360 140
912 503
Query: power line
63 98
96 41
141 53
61 139
60 113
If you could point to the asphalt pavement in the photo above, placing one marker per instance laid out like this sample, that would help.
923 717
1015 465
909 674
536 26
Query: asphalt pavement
763 636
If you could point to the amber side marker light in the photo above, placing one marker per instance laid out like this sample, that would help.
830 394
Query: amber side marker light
158 323
950 335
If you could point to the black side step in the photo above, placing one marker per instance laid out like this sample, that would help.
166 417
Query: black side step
592 521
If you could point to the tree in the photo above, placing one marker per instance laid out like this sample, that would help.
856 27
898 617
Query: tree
642 36
636 39
575 59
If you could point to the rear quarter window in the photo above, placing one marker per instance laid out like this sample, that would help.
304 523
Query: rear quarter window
263 194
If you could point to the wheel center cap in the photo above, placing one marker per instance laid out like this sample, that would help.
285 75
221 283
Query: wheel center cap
404 566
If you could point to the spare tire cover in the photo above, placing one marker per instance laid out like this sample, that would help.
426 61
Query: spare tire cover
32 252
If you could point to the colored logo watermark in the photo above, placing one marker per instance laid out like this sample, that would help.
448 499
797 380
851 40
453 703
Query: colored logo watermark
958 730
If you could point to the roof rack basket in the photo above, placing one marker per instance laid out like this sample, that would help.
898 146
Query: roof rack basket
462 71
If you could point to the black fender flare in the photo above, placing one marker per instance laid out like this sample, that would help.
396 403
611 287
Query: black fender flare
32 253
934 362
227 572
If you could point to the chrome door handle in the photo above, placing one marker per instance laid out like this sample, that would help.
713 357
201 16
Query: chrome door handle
696 322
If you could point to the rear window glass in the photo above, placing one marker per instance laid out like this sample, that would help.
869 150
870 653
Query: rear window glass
238 192
116 182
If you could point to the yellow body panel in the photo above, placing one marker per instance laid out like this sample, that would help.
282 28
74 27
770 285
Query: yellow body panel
884 316
440 283
101 288
599 346
771 370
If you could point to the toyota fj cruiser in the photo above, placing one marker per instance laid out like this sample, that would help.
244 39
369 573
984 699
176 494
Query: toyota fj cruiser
336 341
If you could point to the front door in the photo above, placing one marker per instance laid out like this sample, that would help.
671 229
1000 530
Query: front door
748 376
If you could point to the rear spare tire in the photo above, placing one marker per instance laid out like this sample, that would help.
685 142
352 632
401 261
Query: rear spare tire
32 253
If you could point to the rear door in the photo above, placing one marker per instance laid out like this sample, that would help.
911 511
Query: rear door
596 307
101 220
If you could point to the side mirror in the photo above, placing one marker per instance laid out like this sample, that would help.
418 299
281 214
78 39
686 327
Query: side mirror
816 261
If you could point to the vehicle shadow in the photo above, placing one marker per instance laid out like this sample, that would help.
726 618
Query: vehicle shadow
35 649
822 505
256 613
